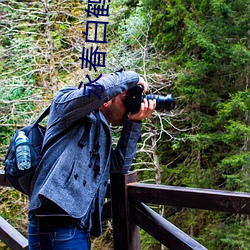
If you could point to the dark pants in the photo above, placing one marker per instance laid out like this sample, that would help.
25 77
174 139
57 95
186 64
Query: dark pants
57 237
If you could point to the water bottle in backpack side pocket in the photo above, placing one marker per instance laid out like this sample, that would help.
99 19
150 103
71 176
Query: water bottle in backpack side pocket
23 156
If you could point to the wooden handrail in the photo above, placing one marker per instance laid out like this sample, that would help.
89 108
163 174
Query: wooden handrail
11 237
129 212
161 229
134 194
208 199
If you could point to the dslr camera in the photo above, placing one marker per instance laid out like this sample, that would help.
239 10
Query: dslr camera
135 97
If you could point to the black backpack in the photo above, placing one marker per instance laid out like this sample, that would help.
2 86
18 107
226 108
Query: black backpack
21 179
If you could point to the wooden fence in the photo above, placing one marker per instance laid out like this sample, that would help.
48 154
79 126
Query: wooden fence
130 213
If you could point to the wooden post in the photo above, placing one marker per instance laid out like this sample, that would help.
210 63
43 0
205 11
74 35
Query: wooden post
126 233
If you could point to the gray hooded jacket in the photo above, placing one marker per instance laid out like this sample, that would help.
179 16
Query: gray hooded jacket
67 174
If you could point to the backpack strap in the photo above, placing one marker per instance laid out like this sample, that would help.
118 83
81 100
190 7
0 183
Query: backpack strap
43 115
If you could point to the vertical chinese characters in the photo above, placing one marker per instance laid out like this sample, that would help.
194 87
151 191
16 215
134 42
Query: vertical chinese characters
96 31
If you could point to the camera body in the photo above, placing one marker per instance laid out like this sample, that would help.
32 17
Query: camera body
135 97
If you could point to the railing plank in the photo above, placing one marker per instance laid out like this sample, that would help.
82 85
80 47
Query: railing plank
208 199
11 237
126 191
161 229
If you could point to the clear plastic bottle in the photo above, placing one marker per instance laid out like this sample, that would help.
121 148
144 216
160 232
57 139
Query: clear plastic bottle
23 156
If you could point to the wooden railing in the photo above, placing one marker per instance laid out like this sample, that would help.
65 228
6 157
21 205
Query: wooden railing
129 212
8 234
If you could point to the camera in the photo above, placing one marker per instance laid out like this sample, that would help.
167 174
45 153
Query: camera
135 98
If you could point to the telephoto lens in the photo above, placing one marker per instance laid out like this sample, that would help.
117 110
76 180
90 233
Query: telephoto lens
162 102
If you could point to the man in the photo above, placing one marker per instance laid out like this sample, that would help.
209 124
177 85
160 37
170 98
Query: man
70 184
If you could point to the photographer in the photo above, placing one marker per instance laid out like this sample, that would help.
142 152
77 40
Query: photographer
70 185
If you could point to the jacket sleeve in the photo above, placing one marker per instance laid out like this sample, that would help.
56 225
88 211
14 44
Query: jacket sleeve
124 153
70 104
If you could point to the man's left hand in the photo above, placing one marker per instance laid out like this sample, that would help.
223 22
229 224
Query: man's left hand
147 108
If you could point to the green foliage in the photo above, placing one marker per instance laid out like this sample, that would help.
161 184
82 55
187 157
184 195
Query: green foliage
14 208
197 50
205 44
148 242
222 235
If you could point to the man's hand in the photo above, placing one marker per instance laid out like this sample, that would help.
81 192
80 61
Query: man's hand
143 83
147 108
